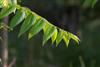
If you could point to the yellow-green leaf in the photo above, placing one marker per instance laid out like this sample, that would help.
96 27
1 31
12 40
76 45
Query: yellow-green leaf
54 36
5 3
48 33
29 21
74 37
46 26
36 28
59 37
66 38
6 11
1 2
18 18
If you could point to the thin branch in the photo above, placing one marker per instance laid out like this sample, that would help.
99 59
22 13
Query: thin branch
12 62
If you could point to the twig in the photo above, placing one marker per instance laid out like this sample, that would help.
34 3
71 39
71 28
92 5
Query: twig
13 62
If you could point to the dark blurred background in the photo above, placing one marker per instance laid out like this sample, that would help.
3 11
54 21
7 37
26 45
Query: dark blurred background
71 15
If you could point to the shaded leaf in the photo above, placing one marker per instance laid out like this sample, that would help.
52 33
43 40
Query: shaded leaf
94 2
1 26
6 11
1 38
37 27
48 33
29 21
4 26
18 18
87 3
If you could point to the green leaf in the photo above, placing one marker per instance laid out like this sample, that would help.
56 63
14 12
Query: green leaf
18 18
6 11
54 36
66 38
46 26
37 27
48 33
94 2
74 37
59 37
29 21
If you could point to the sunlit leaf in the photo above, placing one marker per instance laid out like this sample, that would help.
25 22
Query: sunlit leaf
18 18
54 36
59 37
1 1
5 2
37 27
66 38
27 24
6 11
48 33
35 23
74 37
46 27
27 10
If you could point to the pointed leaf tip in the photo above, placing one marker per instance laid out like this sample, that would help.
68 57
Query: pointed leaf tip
54 36
37 27
66 38
48 33
27 24
6 11
59 37
17 19
74 37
